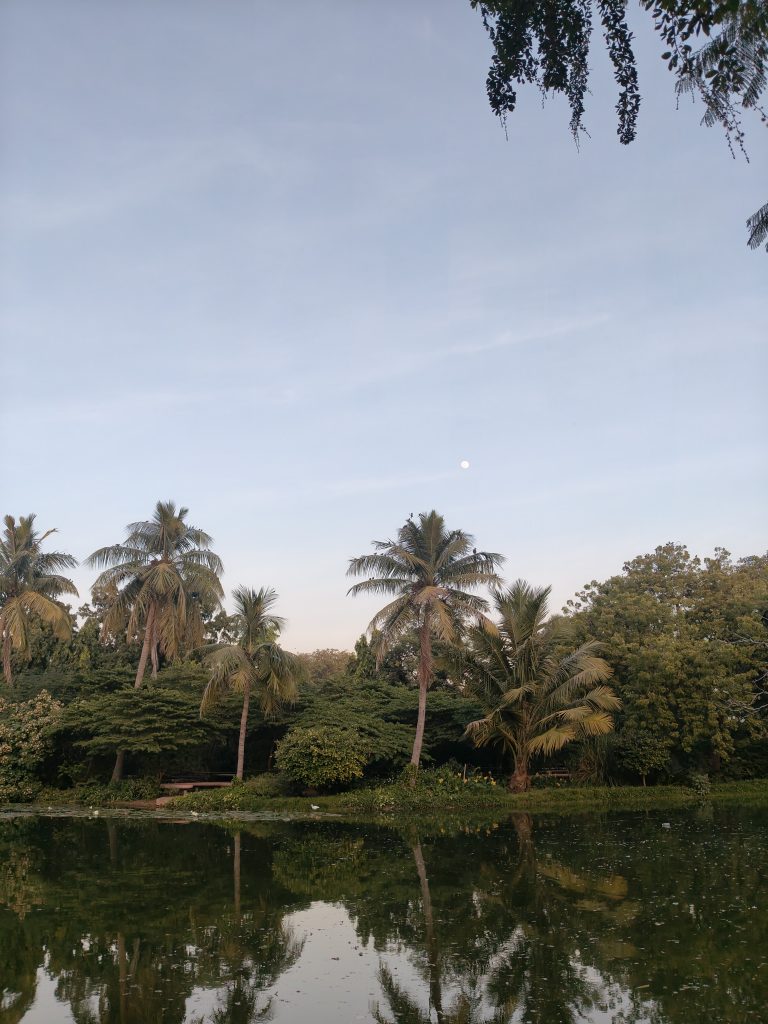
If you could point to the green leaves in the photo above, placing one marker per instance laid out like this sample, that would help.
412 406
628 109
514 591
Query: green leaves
689 647
160 581
30 584
539 689
322 756
151 720
25 728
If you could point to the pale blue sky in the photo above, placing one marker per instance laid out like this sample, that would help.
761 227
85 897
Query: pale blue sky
279 263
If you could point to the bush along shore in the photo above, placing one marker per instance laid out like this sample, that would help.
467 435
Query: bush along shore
437 793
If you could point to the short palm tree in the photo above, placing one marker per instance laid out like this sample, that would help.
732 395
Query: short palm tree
256 665
538 690
160 578
429 571
30 585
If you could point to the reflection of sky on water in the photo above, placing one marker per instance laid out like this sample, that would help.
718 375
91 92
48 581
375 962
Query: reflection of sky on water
46 1007
336 978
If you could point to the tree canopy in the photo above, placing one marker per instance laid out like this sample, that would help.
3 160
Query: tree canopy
717 51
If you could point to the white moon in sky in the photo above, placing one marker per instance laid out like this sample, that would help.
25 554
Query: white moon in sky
464 463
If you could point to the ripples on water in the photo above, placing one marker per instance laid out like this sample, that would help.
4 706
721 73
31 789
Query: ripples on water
544 920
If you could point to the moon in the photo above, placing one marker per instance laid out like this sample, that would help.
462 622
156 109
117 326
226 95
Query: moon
464 463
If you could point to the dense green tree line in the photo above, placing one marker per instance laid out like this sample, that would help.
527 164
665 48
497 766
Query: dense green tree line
656 673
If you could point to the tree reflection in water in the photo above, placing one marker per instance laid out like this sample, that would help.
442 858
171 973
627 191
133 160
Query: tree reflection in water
570 919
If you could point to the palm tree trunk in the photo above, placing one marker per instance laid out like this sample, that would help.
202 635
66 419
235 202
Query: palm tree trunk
243 729
520 780
433 952
236 875
154 648
425 674
7 661
149 629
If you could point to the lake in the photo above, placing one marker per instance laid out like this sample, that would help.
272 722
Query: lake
627 918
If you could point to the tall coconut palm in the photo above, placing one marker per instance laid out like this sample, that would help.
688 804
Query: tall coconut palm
429 571
539 692
255 666
30 584
161 577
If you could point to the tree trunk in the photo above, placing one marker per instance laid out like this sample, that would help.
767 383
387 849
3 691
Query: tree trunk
112 834
122 975
236 875
243 729
7 661
154 648
117 771
425 674
520 780
526 859
145 647
433 951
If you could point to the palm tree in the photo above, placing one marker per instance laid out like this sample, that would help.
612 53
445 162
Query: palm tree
30 583
160 579
428 570
538 691
256 664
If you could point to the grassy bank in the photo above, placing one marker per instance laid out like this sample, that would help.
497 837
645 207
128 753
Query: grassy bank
398 800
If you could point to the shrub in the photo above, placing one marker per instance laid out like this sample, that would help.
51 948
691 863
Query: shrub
322 757
269 784
25 729
700 784
94 793
448 786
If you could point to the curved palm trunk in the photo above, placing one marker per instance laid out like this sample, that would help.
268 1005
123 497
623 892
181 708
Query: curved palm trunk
425 674
243 729
7 661
146 649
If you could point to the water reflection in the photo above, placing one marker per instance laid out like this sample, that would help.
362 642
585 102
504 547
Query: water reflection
556 921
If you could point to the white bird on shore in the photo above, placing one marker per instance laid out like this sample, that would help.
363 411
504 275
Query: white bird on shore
314 807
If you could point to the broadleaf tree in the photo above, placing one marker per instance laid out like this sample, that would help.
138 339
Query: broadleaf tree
716 49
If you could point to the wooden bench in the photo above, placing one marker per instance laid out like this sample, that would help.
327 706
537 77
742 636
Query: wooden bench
187 787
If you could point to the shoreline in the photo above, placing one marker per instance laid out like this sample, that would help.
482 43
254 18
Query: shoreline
390 805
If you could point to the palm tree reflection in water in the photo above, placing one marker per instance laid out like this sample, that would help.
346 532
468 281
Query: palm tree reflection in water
534 974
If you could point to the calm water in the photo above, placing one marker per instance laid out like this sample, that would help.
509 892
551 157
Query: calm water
542 920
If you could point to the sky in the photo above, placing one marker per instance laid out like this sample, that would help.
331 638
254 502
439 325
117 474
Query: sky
281 264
